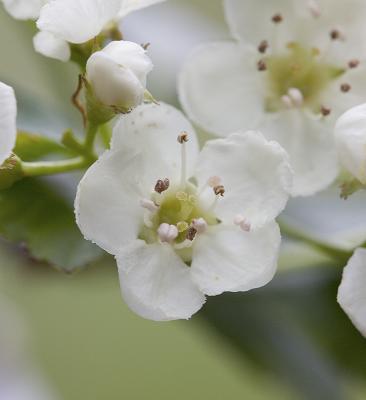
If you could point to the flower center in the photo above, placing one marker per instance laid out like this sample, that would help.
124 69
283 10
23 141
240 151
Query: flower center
296 75
297 78
176 214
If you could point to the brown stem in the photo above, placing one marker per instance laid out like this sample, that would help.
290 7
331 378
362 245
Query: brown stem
76 102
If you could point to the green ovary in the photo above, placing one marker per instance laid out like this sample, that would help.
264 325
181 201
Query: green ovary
302 69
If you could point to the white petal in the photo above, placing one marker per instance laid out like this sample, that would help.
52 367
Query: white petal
50 46
153 130
338 101
227 259
8 113
107 204
329 219
350 134
352 293
221 89
131 55
255 173
309 141
129 6
77 21
156 284
250 21
24 9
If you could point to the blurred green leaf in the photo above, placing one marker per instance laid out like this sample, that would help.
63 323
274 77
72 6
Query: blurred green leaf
34 214
294 329
31 147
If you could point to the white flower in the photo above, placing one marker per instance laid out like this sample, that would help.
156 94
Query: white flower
118 74
350 134
295 67
178 239
129 6
78 21
351 292
8 113
24 9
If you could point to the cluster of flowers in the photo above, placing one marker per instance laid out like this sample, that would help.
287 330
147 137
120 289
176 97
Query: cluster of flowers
184 223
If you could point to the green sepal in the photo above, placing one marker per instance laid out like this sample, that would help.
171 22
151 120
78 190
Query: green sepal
350 187
10 172
99 113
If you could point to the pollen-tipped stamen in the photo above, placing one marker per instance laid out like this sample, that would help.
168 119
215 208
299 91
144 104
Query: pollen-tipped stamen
183 139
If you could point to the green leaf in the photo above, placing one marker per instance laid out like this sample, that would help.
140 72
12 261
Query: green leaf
31 147
34 214
294 329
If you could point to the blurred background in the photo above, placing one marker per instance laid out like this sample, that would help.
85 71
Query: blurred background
70 336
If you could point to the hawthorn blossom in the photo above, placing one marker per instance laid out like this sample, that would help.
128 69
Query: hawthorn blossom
24 9
8 113
351 292
117 74
350 134
292 69
62 22
182 223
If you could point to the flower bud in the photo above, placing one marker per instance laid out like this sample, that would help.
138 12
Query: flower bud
117 75
350 136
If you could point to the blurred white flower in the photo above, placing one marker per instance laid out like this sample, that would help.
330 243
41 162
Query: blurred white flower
117 74
295 67
352 293
8 113
78 21
24 9
19 376
350 134
184 224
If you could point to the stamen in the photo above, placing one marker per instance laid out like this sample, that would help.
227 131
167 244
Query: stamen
277 18
345 87
214 181
183 139
200 225
147 220
286 100
353 63
261 65
325 111
240 221
219 190
263 46
191 234
336 34
162 185
293 98
181 196
314 8
296 97
167 233
182 226
149 205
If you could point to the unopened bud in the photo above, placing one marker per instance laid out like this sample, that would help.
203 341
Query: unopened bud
117 75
